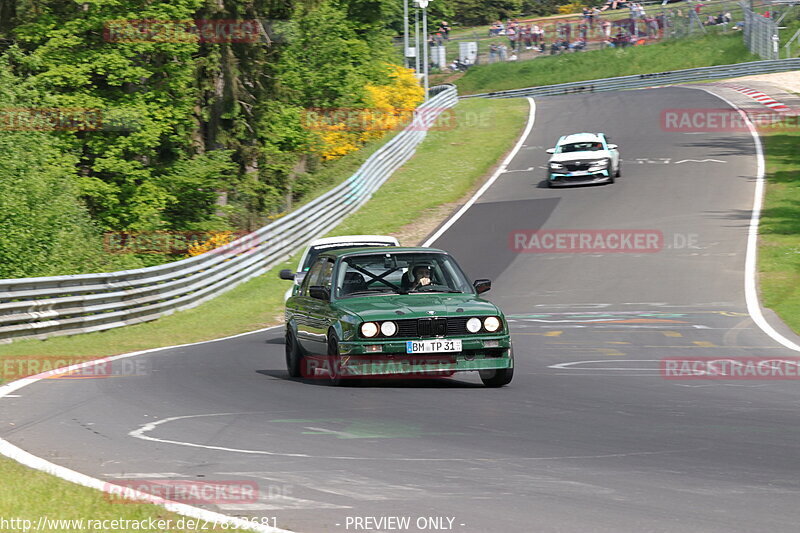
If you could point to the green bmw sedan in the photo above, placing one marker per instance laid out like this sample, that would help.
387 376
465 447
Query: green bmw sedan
394 312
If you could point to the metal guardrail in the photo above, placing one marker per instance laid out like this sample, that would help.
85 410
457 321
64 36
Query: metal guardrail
639 81
68 305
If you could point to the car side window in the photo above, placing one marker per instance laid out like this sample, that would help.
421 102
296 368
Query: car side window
325 274
312 277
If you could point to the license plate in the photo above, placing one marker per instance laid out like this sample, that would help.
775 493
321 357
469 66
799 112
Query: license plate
433 346
578 173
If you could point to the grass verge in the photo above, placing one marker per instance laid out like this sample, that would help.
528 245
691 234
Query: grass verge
483 131
779 230
660 57
29 495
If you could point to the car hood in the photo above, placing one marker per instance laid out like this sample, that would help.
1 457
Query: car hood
402 306
572 156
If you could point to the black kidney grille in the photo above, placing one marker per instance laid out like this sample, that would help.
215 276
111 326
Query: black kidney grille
424 327
432 327
576 165
407 328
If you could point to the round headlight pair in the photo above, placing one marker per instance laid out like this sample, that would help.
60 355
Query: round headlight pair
370 329
490 323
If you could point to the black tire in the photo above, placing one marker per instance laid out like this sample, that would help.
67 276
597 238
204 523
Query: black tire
619 169
497 378
334 370
294 357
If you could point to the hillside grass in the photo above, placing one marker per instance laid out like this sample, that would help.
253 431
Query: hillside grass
660 57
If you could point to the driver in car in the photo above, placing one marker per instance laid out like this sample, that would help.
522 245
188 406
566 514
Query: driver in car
420 276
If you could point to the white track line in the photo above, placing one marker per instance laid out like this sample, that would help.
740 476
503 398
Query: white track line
502 168
37 463
751 257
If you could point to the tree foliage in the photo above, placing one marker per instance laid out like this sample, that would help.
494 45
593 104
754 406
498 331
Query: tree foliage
194 133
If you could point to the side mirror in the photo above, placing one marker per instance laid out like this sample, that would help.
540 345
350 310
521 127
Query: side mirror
286 274
612 146
482 285
551 150
319 292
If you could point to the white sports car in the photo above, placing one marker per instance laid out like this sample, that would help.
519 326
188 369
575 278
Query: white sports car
583 158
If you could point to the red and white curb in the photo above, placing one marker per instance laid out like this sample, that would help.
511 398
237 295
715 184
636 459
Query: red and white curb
760 97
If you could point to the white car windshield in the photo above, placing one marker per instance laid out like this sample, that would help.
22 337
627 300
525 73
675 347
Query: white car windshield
588 146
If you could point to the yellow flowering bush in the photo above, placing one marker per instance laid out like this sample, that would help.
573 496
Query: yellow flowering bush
390 107
572 7
215 240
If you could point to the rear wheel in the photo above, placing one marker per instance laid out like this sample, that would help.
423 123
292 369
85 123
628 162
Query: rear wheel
294 359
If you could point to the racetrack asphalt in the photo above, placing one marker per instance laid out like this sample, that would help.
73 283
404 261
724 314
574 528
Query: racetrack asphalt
589 437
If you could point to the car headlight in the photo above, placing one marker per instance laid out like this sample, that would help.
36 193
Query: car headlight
369 329
388 329
474 325
556 166
491 323
599 164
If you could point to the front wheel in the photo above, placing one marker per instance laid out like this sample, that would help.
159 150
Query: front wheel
335 363
497 378
294 358
619 169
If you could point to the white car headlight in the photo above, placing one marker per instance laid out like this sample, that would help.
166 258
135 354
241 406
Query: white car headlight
388 328
369 329
556 166
491 323
474 325
600 163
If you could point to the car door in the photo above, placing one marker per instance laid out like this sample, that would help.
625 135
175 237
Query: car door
303 307
318 311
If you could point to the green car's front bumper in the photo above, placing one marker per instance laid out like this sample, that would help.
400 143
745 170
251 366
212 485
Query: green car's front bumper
359 358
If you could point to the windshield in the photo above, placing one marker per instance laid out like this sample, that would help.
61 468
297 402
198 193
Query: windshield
591 146
399 273
314 251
